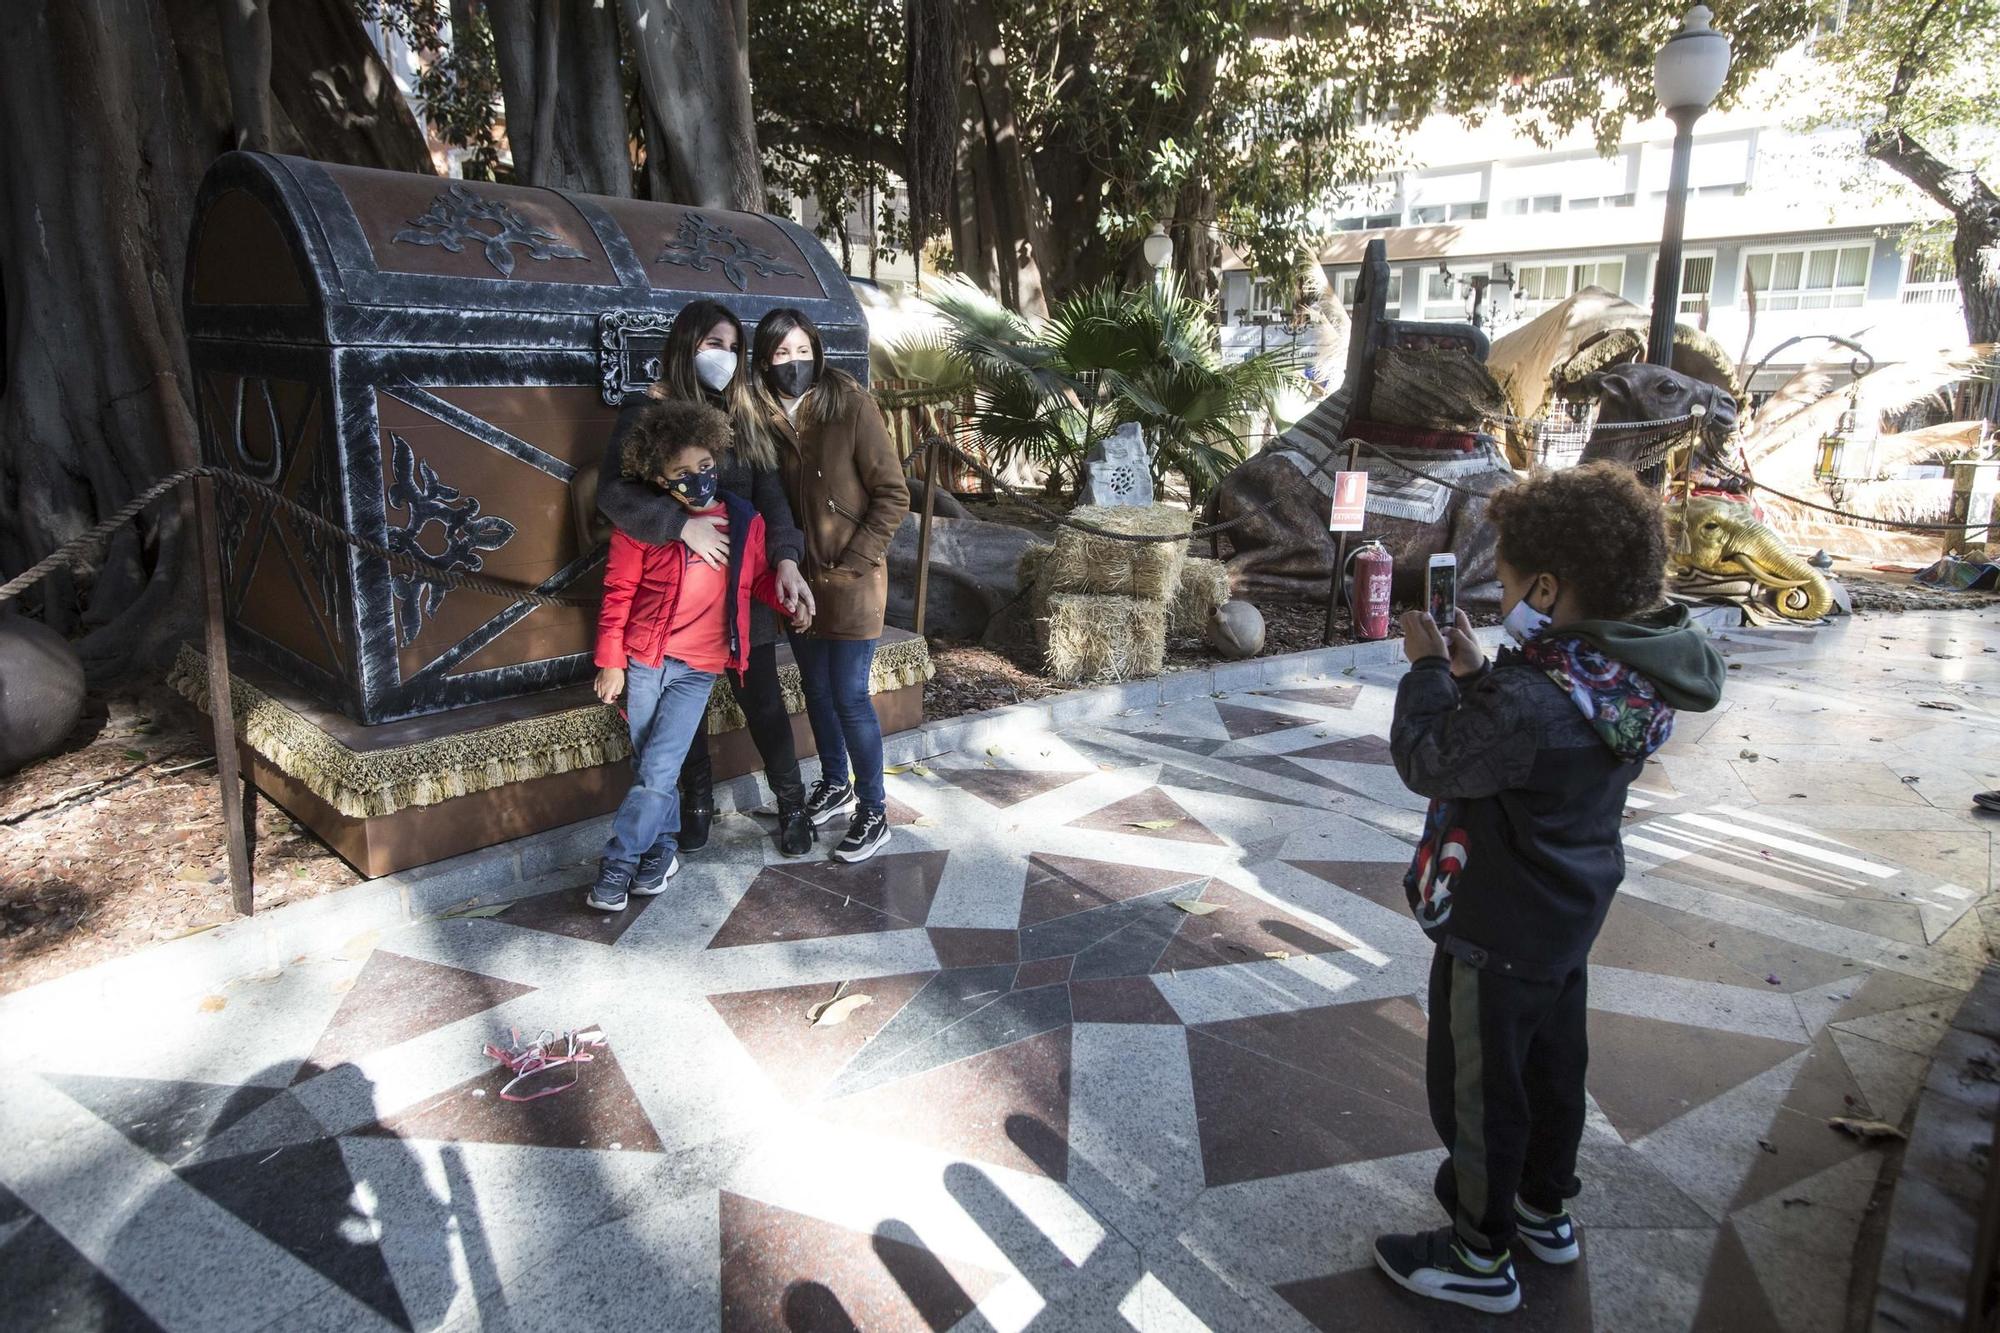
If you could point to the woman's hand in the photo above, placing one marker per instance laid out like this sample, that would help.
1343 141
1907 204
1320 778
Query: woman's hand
610 684
1467 657
794 591
708 538
1421 638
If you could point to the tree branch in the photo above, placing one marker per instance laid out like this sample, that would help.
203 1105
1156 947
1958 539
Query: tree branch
1959 190
1907 66
860 145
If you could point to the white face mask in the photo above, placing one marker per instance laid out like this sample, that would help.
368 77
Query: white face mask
715 368
1524 622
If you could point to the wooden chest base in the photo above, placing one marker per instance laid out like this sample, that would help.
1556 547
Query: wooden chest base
419 834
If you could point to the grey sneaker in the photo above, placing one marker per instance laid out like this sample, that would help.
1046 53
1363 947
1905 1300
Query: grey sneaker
655 869
614 878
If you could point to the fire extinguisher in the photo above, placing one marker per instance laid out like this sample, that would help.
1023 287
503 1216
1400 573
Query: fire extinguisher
1368 592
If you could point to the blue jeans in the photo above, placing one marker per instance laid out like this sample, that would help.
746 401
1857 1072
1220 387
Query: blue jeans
664 707
834 675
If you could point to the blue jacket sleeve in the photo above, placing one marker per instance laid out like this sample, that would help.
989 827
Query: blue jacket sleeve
1449 743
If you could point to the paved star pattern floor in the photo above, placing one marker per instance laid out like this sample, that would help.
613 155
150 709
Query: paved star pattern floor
1142 1046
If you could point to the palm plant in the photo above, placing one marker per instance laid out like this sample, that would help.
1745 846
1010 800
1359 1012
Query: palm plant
1049 391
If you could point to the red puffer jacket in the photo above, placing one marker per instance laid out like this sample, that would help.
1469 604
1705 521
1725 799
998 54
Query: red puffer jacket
642 584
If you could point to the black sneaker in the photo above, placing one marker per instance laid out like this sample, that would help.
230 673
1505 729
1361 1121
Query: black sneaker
865 836
655 869
1550 1237
829 801
608 893
1437 1265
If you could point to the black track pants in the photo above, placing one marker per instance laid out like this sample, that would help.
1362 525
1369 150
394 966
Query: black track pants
1505 1063
770 726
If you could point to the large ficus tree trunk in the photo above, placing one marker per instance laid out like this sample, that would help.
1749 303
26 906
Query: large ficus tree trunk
1974 208
564 93
694 73
110 111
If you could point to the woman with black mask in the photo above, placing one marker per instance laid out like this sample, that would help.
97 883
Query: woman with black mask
703 362
844 478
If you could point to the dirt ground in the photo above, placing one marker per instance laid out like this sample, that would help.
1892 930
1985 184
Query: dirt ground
116 842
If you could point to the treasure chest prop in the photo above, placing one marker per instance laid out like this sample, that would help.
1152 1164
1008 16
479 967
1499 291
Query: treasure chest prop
434 365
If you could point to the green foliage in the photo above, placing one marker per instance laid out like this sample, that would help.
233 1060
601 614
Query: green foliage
458 79
1051 390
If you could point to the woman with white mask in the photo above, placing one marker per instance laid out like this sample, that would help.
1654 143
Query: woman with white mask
703 362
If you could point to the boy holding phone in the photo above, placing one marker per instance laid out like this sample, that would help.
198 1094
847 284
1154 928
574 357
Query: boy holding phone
1526 761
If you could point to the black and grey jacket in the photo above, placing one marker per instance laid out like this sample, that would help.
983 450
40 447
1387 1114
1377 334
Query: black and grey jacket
652 516
1521 852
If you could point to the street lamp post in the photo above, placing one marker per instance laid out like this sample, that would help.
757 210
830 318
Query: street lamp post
1687 74
1158 247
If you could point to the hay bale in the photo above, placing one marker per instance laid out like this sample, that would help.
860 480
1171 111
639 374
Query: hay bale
1204 586
1082 562
1092 638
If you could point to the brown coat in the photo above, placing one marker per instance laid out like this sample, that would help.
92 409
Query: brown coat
845 482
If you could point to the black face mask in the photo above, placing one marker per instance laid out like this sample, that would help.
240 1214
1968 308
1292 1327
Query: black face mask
791 379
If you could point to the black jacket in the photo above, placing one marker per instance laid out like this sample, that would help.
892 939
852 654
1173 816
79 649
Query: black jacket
652 516
1526 765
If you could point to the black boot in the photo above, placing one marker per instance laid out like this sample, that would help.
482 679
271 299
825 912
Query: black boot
697 813
795 828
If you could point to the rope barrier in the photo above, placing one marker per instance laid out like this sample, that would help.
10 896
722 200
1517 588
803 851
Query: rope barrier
399 562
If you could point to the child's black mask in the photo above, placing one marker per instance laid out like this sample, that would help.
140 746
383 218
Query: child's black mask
696 490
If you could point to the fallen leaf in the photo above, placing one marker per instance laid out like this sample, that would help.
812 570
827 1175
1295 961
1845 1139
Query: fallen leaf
829 1013
1751 755
1868 1131
212 1004
1347 671
1768 1146
1279 954
344 985
1195 906
136 756
996 750
923 821
1939 704
921 771
1152 823
897 770
490 909
1772 980
192 875
359 947
195 930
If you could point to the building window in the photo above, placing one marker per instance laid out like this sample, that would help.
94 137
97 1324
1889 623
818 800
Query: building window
1833 277
1429 214
1372 222
1928 280
1263 297
1539 286
1697 281
1471 212
1601 201
1541 203
1392 306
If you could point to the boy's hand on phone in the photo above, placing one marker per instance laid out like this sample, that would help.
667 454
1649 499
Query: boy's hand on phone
707 538
1467 657
1421 638
610 684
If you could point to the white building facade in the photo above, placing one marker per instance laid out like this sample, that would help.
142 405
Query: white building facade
1772 221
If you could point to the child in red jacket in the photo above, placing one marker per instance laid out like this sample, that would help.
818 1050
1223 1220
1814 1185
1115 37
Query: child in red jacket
669 625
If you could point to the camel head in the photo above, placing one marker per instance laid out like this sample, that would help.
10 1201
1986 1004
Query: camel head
1641 392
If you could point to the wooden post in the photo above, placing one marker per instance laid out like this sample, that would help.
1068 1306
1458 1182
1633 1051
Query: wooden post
1333 592
239 798
924 530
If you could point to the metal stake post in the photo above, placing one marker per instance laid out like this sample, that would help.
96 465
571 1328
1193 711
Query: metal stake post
239 798
1333 593
924 530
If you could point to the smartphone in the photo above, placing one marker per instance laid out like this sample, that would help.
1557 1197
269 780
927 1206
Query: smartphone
1441 590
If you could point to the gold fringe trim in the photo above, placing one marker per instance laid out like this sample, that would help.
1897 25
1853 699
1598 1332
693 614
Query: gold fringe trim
365 784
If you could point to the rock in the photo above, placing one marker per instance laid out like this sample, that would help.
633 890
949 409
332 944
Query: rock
974 575
946 506
41 691
1236 630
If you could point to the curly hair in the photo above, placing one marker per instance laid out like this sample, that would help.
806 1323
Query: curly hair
1597 528
664 430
